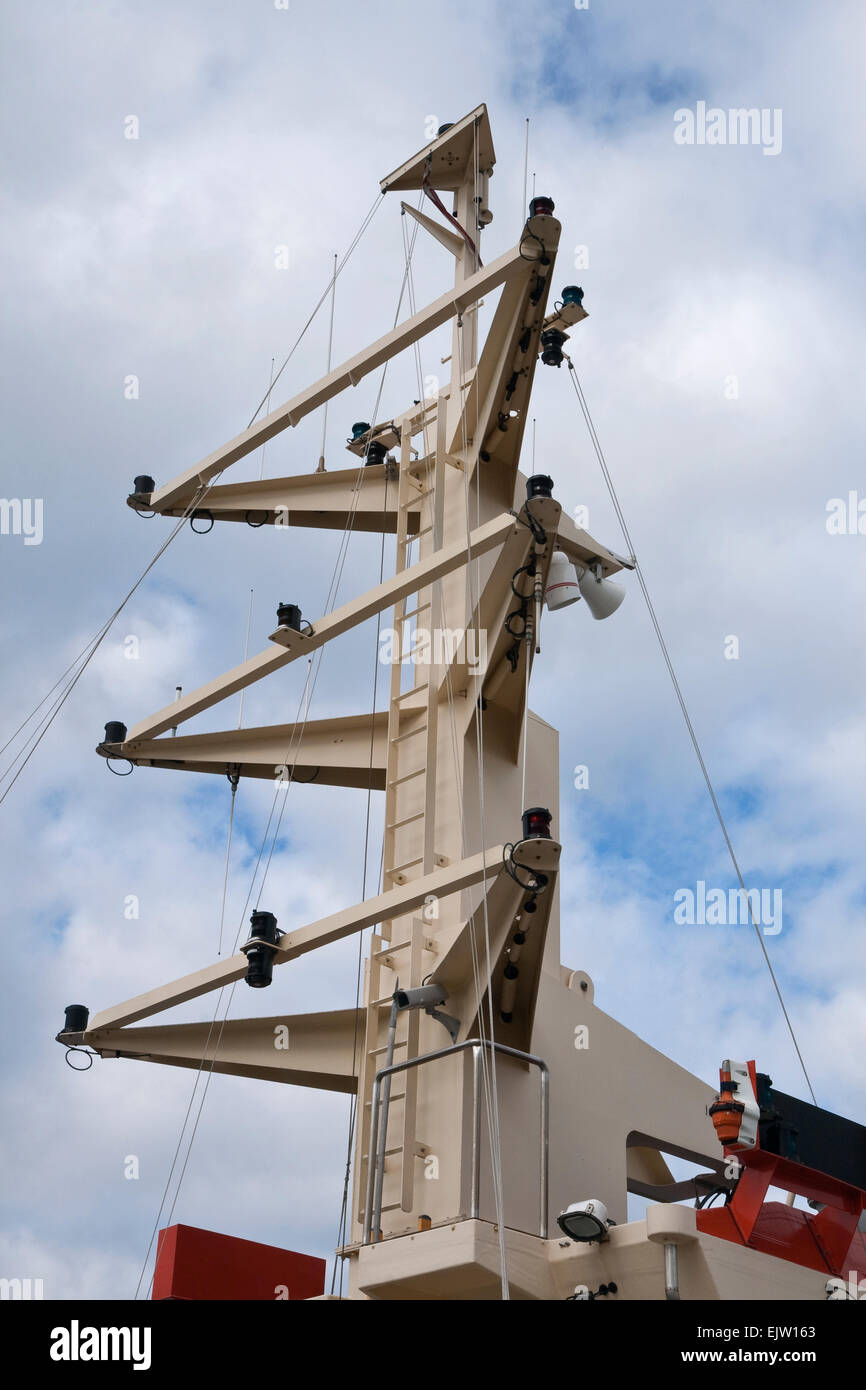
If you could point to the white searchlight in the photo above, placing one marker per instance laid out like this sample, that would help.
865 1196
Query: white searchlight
585 1221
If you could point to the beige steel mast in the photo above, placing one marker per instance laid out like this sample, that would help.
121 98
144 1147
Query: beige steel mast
457 895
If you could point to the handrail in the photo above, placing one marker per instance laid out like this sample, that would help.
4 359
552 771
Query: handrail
373 1203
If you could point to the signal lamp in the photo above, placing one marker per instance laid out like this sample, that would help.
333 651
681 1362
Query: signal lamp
289 615
551 347
572 294
360 428
539 485
115 732
260 949
536 823
541 205
76 1018
376 453
143 483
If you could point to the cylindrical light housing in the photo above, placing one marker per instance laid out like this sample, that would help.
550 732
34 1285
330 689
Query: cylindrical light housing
562 587
572 294
536 823
260 949
77 1016
539 485
289 615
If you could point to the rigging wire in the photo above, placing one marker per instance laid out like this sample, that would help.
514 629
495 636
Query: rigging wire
89 651
682 704
321 467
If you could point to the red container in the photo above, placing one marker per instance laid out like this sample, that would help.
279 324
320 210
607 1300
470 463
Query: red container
196 1264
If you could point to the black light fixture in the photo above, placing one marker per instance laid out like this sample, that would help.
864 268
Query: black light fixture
536 823
360 428
442 129
143 484
115 732
289 615
77 1016
551 347
541 205
376 453
538 485
585 1221
572 294
260 949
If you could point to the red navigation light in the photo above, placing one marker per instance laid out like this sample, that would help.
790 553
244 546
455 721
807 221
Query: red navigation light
536 823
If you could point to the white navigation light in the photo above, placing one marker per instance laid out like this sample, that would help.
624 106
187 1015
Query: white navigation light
603 596
561 583
585 1221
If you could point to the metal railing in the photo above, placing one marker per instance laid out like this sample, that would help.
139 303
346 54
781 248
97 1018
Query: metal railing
376 1164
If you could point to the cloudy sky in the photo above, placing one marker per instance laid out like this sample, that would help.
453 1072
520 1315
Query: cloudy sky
721 360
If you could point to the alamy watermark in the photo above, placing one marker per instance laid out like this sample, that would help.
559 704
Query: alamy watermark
22 516
739 125
439 647
714 907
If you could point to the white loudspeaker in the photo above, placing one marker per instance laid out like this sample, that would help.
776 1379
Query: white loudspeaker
603 596
561 583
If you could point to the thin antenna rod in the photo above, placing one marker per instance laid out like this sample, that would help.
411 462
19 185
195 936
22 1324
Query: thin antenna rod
267 408
321 467
525 174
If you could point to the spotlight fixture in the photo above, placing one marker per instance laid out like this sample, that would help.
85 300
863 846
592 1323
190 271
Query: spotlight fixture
585 1222
551 347
143 484
260 949
538 485
603 596
541 205
442 129
115 732
358 429
289 615
562 588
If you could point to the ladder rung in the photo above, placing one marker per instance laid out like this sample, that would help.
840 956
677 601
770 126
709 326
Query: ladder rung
416 690
413 612
389 950
377 1051
410 733
396 781
395 1095
406 820
410 864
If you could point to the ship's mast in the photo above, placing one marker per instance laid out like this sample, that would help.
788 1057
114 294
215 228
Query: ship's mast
469 895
